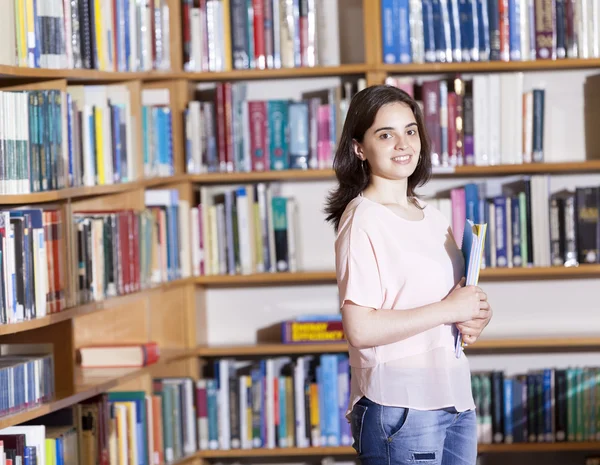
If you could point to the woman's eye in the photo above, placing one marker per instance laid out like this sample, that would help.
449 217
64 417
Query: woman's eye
411 132
385 135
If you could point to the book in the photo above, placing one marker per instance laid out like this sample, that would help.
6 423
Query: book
472 249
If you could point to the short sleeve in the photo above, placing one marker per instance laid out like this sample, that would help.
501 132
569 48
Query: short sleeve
358 274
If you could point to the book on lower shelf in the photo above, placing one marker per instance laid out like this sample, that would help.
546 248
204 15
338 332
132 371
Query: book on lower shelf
119 355
26 377
32 265
305 329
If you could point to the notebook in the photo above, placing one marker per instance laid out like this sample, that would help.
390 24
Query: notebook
472 250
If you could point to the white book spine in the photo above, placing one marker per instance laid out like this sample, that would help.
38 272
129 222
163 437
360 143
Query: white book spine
328 33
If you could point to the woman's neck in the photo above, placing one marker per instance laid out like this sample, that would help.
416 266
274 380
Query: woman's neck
386 191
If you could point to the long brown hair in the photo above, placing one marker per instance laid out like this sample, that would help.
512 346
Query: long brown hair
354 178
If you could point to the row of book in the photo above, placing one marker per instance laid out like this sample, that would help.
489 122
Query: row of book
549 405
528 225
32 264
227 132
124 251
274 402
26 377
119 427
84 136
117 35
488 119
259 34
415 31
242 230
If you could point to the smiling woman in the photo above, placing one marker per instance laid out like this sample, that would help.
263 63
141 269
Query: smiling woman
399 274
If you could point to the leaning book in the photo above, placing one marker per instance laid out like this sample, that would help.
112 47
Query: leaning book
472 250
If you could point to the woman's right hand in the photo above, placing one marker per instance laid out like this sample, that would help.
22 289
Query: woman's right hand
465 303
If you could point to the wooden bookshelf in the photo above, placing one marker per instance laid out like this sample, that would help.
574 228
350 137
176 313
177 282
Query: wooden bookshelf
276 452
300 72
327 277
272 279
85 309
267 349
539 447
169 312
344 451
485 345
491 66
91 382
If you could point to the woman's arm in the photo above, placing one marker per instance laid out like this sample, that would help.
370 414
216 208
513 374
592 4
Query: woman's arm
367 327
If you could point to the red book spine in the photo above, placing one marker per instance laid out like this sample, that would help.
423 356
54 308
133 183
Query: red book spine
257 114
452 136
259 34
58 297
221 138
504 30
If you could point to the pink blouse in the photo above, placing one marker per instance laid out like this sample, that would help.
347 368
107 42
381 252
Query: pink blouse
387 262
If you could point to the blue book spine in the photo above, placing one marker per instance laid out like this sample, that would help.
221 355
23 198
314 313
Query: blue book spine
127 38
403 21
472 202
514 25
428 31
484 30
466 28
494 29
145 145
389 31
282 412
70 136
299 135
548 413
330 388
278 122
455 31
344 398
561 33
117 148
516 231
501 231
440 27
508 410
211 404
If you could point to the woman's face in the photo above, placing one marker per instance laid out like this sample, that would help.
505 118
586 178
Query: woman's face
392 145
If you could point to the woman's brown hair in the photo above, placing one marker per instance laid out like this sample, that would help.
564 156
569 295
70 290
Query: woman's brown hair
354 178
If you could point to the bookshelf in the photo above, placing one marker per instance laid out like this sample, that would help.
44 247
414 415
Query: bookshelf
175 312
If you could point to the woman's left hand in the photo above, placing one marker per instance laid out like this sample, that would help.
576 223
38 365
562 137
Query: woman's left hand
471 330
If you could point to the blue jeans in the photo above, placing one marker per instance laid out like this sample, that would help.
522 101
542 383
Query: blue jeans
398 436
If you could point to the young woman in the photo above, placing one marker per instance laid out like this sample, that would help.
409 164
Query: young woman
402 296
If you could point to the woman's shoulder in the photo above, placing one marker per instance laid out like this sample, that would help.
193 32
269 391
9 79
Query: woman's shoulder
359 213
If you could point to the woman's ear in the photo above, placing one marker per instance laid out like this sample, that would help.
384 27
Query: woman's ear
358 150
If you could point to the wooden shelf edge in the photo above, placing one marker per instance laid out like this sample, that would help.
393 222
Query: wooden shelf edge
344 450
539 447
267 278
489 66
276 452
328 277
87 309
74 193
270 349
551 344
300 72
94 386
